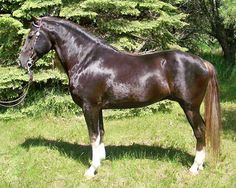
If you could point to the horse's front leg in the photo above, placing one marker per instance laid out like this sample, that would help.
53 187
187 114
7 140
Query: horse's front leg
92 114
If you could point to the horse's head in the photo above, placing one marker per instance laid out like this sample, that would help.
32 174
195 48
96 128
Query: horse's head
36 45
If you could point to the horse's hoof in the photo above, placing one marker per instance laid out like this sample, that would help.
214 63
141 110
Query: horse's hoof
200 167
89 175
193 171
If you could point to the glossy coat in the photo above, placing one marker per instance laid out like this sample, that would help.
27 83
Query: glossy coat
101 77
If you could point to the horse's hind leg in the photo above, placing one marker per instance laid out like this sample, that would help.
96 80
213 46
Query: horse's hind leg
93 117
198 126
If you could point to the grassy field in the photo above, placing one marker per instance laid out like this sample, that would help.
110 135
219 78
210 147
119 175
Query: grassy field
149 151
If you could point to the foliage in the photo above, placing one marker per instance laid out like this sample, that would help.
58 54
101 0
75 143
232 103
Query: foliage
41 103
14 79
212 20
228 12
57 102
152 21
163 106
35 7
9 40
226 76
135 22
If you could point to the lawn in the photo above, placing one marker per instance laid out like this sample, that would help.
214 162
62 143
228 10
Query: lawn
148 151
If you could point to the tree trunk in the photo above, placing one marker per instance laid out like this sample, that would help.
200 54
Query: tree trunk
229 49
229 55
225 34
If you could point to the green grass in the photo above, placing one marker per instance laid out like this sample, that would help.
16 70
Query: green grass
149 151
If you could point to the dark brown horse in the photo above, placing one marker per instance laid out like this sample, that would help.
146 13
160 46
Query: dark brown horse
102 77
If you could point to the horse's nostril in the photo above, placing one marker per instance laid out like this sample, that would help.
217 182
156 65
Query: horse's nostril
30 65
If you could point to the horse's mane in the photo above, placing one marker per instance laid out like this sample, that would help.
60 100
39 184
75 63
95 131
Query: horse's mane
77 28
82 31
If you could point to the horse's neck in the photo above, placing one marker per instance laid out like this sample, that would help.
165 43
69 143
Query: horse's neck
74 49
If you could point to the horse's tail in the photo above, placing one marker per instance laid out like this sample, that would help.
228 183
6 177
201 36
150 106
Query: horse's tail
212 113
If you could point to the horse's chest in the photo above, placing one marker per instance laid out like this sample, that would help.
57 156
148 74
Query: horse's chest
88 85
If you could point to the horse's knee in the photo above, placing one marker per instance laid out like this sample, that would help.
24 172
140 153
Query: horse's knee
95 138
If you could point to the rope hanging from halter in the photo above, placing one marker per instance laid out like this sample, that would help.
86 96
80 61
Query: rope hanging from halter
20 99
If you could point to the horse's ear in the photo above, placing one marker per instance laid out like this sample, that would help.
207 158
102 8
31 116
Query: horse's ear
34 19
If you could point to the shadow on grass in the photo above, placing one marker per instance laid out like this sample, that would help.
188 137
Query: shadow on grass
114 152
229 120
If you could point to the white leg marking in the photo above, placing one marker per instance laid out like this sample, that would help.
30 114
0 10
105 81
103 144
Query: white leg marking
98 154
102 151
198 162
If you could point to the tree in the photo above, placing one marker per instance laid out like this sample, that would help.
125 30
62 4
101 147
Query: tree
10 36
126 24
217 19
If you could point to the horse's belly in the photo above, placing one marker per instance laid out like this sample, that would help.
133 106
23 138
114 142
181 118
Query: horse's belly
127 104
131 96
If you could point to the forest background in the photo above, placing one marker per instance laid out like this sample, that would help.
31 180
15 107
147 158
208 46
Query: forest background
203 27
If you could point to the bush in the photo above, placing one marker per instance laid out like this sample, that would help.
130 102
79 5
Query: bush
163 106
57 102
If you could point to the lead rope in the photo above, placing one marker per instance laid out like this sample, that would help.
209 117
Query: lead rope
19 100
